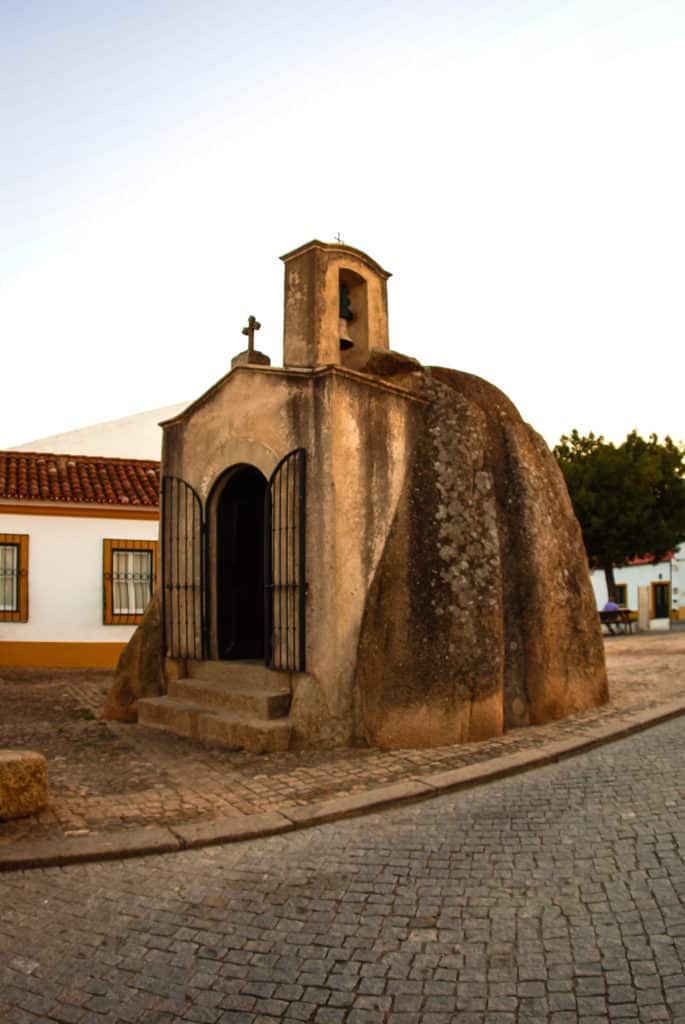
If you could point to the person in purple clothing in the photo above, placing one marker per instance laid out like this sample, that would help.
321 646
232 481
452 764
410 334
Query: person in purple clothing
610 621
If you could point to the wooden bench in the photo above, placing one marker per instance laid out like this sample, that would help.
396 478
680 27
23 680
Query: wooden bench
619 621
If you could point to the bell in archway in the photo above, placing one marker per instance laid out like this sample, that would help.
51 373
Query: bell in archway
346 316
345 339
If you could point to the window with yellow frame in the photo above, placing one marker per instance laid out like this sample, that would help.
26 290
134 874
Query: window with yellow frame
129 573
14 577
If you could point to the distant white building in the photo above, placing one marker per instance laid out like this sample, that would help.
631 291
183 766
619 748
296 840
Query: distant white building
78 541
133 437
666 581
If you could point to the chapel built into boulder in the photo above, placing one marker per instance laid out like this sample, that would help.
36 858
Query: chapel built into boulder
357 549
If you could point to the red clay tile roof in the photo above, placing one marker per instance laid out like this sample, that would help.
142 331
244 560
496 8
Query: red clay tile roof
38 476
649 559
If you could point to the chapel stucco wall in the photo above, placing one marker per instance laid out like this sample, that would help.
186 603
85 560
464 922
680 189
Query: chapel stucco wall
361 448
358 436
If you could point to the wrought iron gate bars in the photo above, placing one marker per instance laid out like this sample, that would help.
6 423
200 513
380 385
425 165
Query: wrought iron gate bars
284 564
183 571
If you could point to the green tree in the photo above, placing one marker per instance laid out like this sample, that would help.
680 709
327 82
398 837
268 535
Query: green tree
629 498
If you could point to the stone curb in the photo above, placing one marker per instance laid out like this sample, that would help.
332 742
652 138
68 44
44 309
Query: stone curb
230 830
139 842
48 853
354 804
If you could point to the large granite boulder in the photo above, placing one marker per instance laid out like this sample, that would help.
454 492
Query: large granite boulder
481 614
140 669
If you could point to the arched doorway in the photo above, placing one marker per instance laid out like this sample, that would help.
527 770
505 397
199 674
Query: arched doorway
240 565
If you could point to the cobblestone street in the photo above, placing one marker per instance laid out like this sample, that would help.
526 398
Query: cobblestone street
105 776
553 896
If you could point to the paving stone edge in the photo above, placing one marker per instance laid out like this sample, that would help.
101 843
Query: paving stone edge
155 839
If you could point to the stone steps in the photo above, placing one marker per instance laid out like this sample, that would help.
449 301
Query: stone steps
246 674
241 705
271 703
223 728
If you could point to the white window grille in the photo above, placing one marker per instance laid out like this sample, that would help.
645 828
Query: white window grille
131 581
9 577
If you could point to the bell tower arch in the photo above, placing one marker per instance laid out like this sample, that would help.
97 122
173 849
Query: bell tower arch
336 306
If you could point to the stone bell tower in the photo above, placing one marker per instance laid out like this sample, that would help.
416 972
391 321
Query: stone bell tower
336 306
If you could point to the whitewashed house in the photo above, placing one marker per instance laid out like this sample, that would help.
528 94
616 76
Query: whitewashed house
666 582
78 556
78 541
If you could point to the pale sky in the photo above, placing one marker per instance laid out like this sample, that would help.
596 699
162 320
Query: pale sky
518 165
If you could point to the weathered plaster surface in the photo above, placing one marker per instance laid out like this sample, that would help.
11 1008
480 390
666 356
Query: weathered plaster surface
356 431
364 439
312 306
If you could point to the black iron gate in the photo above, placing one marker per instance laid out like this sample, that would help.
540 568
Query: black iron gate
183 571
284 564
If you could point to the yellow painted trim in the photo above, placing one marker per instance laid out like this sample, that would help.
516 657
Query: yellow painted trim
21 540
80 511
35 654
108 548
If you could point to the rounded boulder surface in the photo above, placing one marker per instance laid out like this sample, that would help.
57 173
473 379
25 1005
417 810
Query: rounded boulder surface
480 616
23 783
139 672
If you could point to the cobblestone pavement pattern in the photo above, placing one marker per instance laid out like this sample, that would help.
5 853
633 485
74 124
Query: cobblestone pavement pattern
555 896
107 776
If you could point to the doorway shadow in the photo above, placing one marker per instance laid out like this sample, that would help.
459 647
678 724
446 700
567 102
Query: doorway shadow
240 566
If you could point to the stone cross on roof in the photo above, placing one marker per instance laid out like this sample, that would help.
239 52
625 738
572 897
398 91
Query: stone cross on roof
251 355
252 326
